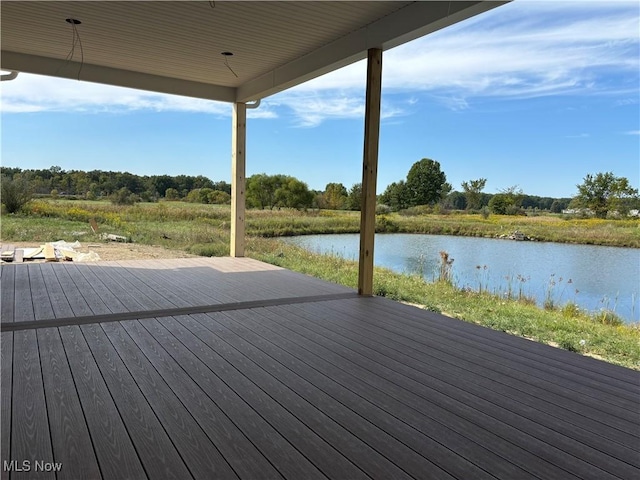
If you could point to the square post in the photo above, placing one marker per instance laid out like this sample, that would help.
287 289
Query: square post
370 171
238 180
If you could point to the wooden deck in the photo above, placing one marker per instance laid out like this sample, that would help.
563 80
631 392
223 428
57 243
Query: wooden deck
231 368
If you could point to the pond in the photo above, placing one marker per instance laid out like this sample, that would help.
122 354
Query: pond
594 277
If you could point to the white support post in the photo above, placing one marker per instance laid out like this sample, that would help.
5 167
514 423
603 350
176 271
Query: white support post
238 180
370 171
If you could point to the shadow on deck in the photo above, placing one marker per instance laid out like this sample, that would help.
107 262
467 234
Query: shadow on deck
232 368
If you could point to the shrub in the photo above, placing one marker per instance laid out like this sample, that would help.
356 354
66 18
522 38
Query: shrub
16 193
124 196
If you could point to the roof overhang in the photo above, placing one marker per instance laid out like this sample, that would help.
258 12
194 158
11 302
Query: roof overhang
175 47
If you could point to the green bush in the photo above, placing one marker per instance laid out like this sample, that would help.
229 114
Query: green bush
16 193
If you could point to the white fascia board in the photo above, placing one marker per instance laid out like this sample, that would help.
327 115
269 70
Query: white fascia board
408 23
113 76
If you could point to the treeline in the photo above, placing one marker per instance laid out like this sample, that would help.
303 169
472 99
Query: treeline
99 184
425 186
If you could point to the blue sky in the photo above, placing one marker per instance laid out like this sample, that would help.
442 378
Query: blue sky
535 94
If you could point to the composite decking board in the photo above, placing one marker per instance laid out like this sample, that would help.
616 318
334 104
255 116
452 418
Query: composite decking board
338 401
144 314
188 432
146 295
181 287
342 438
157 283
531 349
23 303
59 303
585 430
519 349
82 298
534 422
30 438
602 372
122 289
103 287
6 377
405 405
538 439
70 438
7 293
114 450
319 457
68 288
41 302
435 346
93 290
153 445
224 415
492 350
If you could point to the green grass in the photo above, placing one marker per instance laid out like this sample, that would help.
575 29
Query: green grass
204 230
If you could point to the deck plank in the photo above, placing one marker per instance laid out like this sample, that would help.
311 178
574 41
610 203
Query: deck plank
113 447
41 302
238 405
23 303
435 354
75 296
72 445
557 358
431 393
491 350
7 293
116 297
6 367
143 292
200 452
94 292
355 451
487 408
30 436
456 434
59 303
329 396
155 449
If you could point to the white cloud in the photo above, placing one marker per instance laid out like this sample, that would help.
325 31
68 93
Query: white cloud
36 93
632 132
521 50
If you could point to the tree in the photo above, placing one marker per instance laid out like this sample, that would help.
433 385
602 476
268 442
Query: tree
604 193
294 194
507 202
473 192
171 194
395 196
354 199
124 196
261 190
335 196
426 183
16 193
455 201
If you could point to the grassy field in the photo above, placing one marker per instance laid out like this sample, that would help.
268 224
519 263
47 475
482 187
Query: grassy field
204 230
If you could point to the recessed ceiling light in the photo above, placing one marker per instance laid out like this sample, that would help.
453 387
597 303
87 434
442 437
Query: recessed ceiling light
227 54
73 21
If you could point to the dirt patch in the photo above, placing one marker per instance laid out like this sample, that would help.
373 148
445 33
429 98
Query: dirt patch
121 251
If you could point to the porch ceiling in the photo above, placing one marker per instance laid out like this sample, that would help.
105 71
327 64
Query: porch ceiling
175 47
